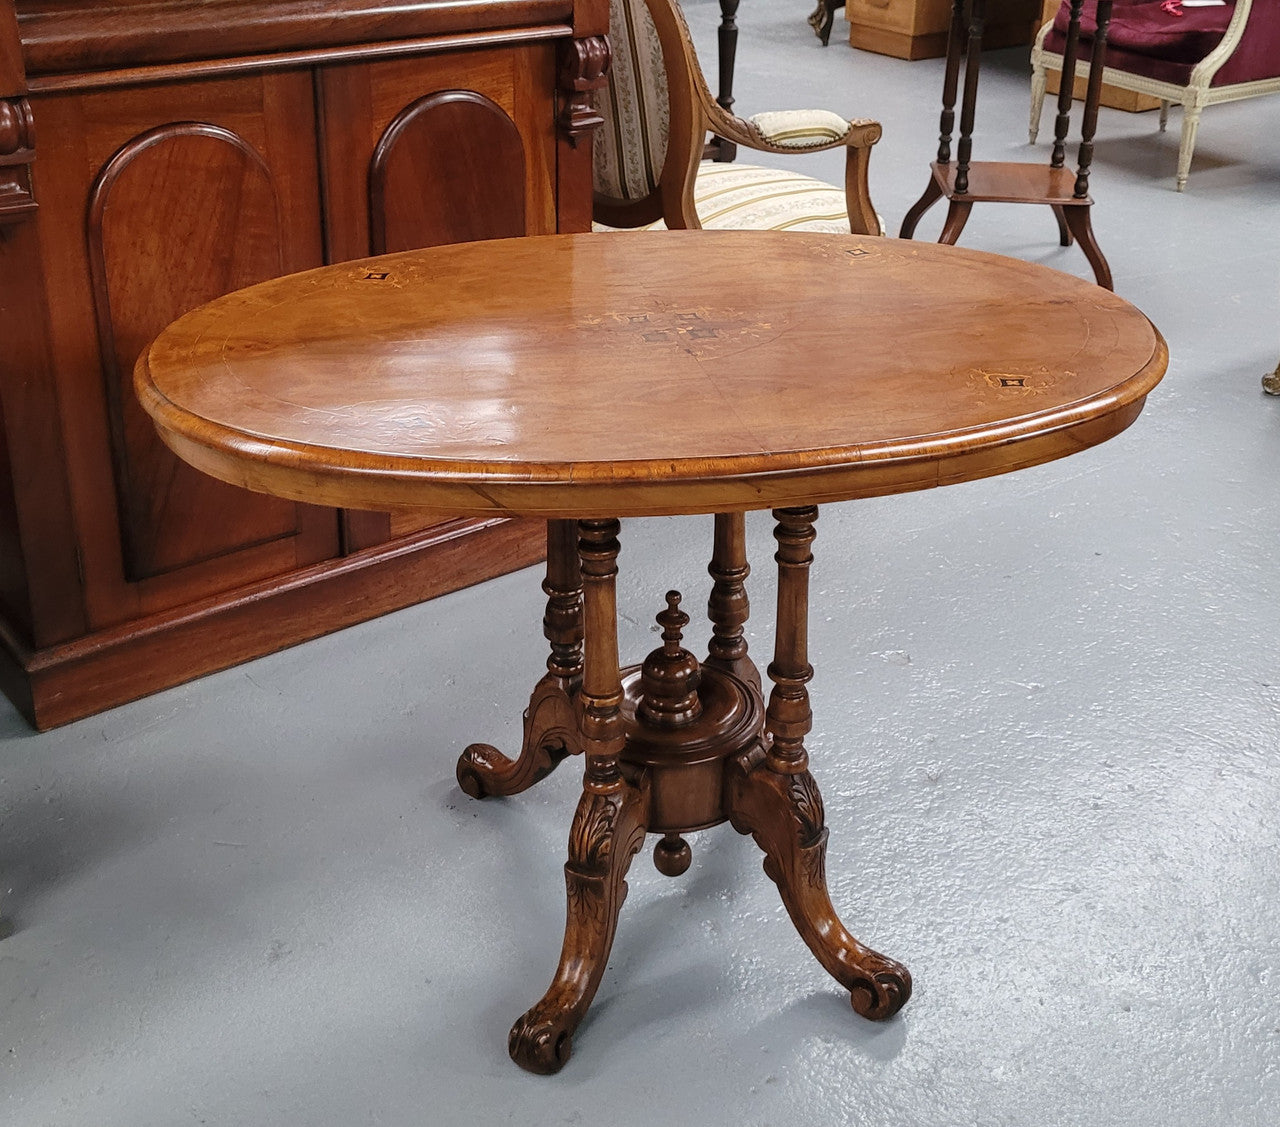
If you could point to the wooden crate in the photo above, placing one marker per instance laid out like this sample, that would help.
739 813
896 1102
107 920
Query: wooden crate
917 29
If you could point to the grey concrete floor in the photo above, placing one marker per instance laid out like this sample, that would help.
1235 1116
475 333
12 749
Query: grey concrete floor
1047 709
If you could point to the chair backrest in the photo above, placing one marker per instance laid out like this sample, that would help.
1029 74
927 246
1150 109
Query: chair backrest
646 153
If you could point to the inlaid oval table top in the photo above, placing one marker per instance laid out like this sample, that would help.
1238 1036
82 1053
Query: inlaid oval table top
625 374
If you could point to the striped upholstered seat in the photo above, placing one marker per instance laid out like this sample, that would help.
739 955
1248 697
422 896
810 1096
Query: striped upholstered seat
657 113
746 197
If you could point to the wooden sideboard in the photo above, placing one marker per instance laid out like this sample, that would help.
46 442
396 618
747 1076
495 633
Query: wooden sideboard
155 155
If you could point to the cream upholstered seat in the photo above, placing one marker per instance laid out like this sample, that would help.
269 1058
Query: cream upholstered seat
657 111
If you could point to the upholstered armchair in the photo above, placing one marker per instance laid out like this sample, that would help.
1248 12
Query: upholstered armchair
1194 56
657 112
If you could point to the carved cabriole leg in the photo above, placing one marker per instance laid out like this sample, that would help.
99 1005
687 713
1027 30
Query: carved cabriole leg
772 796
728 607
822 17
608 828
550 724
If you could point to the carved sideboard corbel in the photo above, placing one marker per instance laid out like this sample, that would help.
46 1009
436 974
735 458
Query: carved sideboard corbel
17 151
584 66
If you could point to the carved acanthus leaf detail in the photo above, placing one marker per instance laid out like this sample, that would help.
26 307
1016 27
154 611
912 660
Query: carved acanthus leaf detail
806 802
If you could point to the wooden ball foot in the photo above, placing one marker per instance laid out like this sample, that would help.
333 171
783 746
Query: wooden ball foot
672 856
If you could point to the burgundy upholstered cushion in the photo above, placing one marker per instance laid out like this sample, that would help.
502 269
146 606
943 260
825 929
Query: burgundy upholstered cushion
1143 27
1148 41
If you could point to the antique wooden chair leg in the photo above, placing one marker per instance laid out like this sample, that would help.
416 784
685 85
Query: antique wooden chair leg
720 149
1065 237
772 796
728 607
957 216
608 828
822 17
1039 86
550 726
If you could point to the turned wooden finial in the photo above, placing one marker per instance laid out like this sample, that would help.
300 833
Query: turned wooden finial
670 674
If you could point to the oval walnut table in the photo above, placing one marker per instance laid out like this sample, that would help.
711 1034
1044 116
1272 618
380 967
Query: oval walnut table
583 378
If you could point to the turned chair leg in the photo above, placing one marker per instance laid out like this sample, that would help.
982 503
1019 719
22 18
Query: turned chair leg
1187 146
608 828
1039 85
550 726
772 796
728 606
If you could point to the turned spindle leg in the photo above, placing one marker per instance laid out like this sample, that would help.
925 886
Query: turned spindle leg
608 828
969 100
1079 222
1066 86
773 797
550 726
728 607
947 122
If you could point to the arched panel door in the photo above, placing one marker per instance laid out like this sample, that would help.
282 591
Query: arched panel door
450 168
447 148
181 214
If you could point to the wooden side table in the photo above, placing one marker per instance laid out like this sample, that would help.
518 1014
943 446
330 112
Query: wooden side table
582 378
967 182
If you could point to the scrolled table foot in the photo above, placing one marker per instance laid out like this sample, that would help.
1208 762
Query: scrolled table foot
550 735
885 994
782 811
608 830
541 1042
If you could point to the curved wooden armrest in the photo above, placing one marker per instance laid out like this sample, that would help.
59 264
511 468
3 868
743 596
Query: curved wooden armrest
861 133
